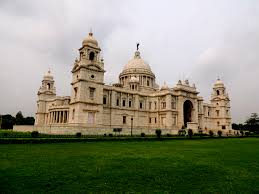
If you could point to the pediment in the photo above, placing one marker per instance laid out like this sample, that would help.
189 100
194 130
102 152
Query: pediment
94 67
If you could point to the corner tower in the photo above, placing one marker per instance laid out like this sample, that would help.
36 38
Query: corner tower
87 85
46 92
221 103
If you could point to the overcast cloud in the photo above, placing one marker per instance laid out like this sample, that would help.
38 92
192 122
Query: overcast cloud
197 40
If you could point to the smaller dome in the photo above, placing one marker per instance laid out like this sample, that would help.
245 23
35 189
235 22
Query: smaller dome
164 87
90 40
219 83
48 75
134 79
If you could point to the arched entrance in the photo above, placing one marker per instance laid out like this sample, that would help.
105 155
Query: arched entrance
187 112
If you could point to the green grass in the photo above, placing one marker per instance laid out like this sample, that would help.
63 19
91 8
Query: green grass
197 166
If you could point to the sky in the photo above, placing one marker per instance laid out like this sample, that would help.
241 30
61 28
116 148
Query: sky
198 40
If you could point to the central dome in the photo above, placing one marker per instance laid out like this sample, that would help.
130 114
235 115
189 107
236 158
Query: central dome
137 63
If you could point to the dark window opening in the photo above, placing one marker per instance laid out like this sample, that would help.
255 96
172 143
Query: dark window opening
140 105
91 95
223 127
123 102
217 92
129 103
75 90
147 82
124 119
104 100
48 86
118 102
150 119
91 56
155 119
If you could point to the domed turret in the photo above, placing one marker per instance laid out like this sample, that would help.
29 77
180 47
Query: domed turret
164 87
219 83
48 76
90 41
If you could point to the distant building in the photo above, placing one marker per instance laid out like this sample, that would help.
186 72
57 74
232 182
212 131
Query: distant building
135 101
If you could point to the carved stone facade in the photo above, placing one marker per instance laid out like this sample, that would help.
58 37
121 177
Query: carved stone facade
136 102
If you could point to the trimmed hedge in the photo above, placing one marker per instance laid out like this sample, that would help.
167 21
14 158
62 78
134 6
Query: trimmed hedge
100 139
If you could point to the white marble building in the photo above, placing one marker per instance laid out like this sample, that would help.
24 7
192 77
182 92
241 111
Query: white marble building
136 102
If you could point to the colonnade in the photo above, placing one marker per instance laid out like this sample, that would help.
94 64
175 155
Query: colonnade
57 117
143 80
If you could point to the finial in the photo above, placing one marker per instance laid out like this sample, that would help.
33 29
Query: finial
91 32
49 71
137 45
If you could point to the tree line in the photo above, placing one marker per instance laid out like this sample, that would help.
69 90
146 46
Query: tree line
251 124
8 121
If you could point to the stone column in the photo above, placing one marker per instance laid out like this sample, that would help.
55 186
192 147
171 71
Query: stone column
56 115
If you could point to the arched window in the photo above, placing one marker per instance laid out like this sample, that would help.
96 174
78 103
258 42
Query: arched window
48 86
147 82
217 92
91 56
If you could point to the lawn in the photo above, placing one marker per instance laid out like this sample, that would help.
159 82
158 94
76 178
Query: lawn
181 166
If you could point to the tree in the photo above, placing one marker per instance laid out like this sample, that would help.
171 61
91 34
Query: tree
190 133
252 123
211 133
219 133
7 121
158 133
29 121
19 119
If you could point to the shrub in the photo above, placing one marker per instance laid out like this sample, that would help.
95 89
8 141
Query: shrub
169 135
190 133
247 133
211 133
181 132
219 133
158 133
142 134
78 134
104 135
110 135
200 132
242 133
34 134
